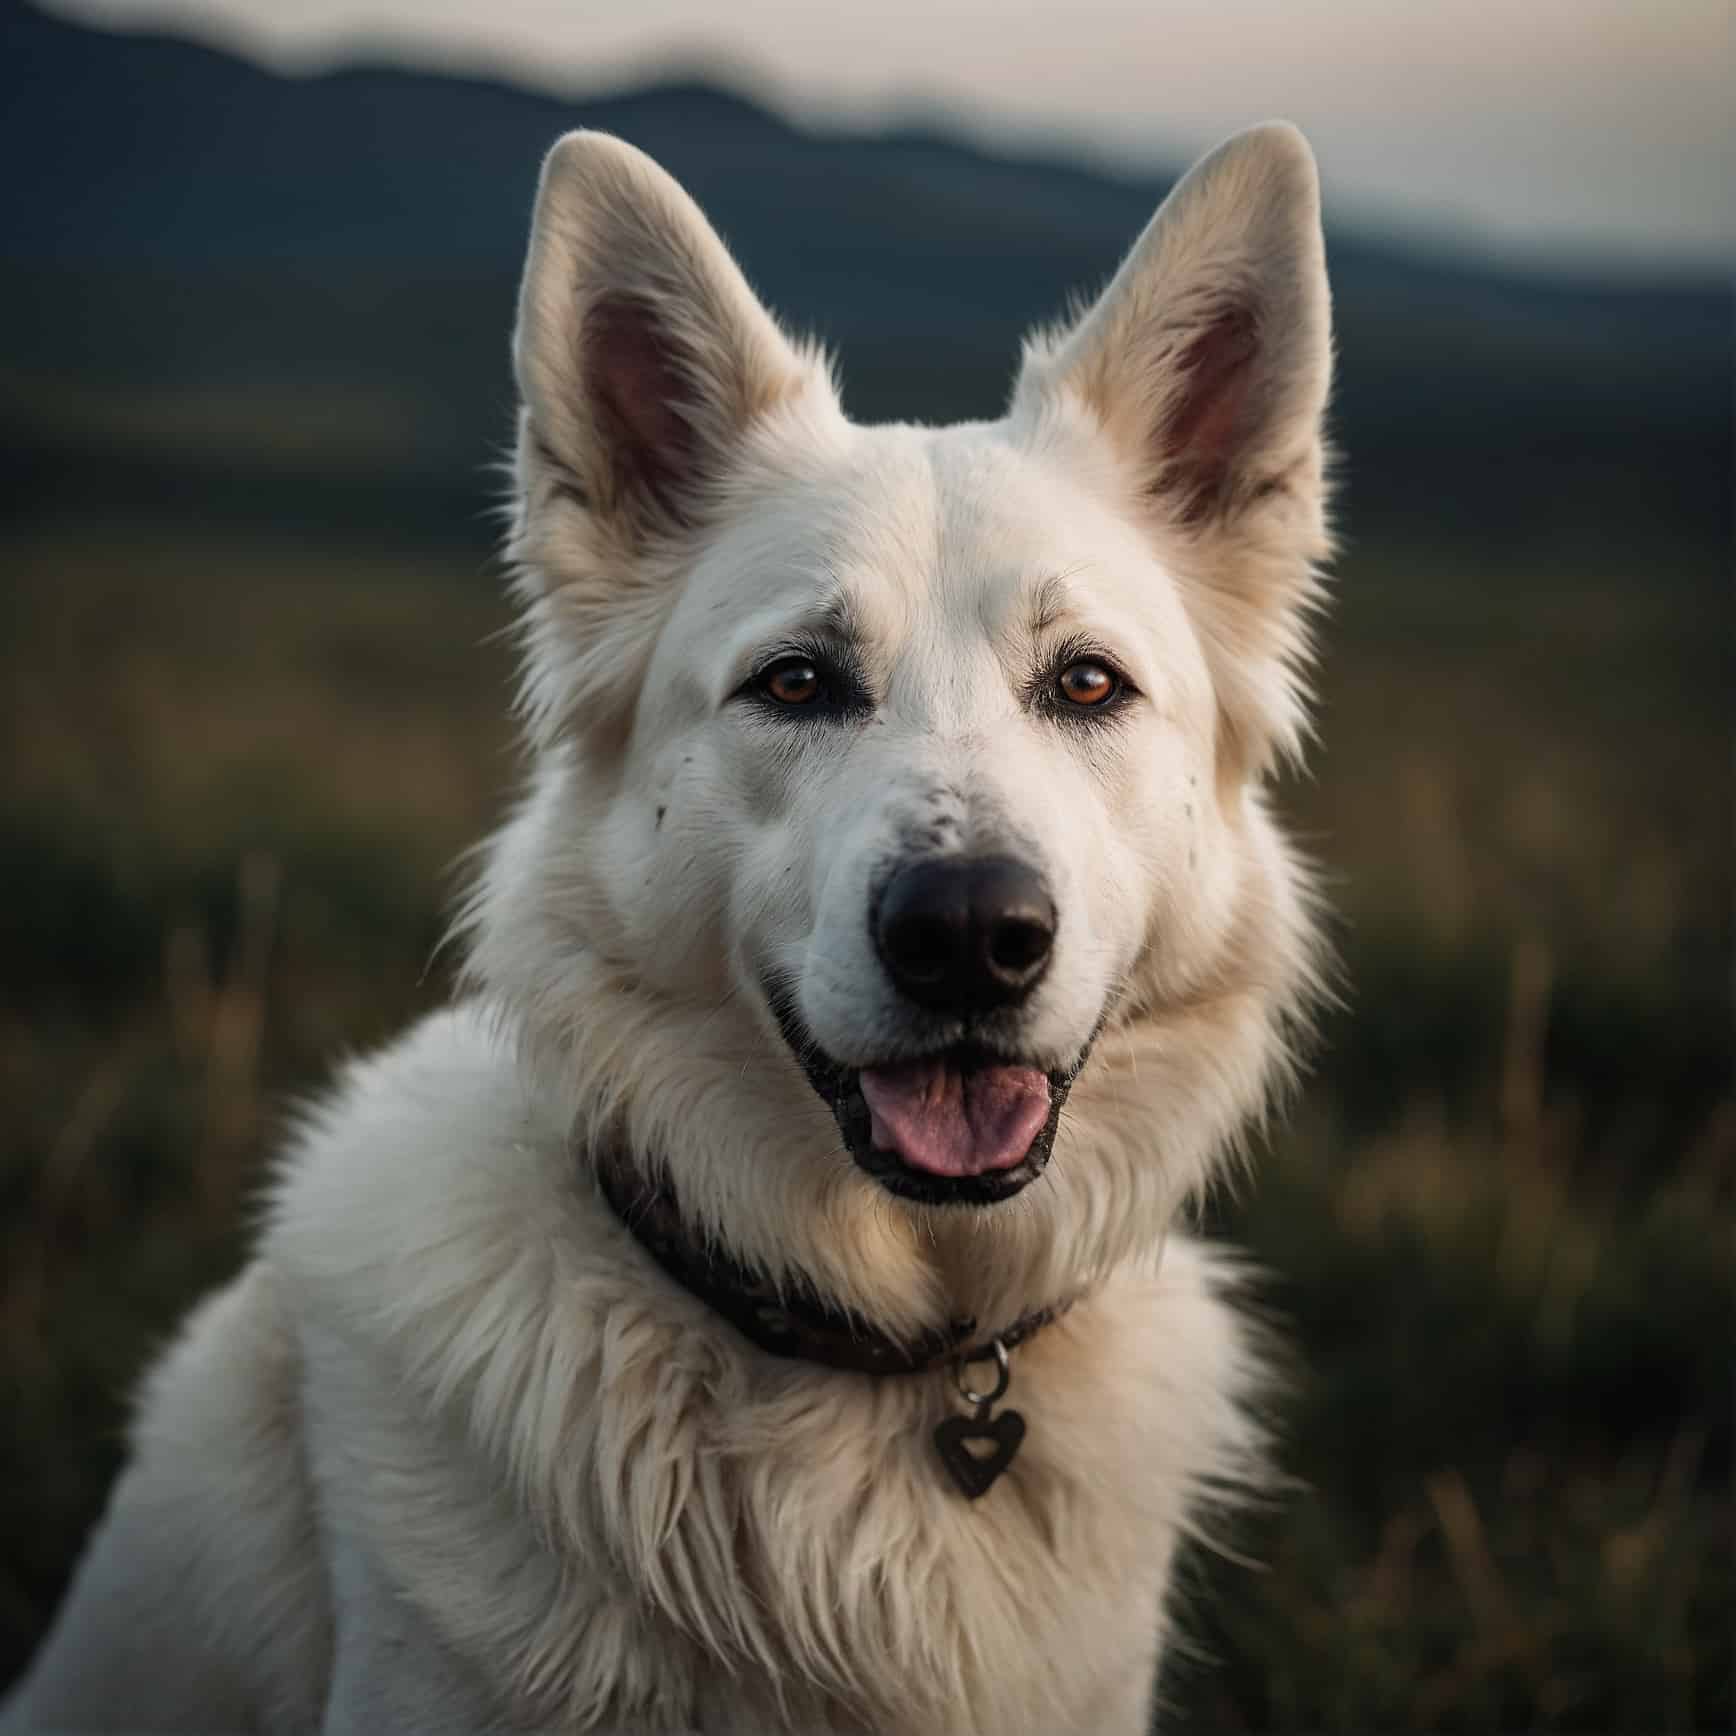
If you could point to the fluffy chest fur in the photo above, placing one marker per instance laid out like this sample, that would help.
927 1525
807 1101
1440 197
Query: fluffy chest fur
630 1516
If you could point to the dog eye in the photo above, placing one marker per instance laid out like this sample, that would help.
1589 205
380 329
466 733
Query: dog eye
793 681
1087 683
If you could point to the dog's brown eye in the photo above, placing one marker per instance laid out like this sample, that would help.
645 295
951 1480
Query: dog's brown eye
1087 683
796 682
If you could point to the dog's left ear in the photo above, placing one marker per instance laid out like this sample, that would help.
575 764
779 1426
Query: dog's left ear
1206 363
1208 357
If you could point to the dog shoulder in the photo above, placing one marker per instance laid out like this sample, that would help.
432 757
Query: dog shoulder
432 1224
200 1599
415 1167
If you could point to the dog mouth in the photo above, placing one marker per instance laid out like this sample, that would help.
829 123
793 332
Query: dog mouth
960 1125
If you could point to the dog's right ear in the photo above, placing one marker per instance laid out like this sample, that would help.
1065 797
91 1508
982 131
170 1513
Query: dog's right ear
641 353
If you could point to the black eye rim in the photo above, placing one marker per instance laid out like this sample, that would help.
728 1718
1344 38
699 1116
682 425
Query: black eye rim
1117 682
762 681
839 691
1047 693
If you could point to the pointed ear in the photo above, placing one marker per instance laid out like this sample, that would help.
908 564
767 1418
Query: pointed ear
1206 364
1207 359
641 353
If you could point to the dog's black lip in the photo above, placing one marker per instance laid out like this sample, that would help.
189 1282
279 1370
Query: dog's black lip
839 1087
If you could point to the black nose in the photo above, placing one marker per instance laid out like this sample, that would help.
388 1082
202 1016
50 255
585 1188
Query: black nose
962 934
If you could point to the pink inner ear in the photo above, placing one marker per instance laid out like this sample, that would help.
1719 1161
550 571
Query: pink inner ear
638 386
1206 427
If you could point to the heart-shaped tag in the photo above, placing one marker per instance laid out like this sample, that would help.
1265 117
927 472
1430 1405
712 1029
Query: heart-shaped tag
976 1450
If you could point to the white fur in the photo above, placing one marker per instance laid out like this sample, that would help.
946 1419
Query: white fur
453 1454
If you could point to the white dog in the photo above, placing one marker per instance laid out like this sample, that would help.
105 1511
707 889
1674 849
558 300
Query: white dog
757 1308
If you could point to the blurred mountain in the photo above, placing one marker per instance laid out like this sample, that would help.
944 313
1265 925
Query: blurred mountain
222 289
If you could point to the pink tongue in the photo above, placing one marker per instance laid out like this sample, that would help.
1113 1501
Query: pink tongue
951 1123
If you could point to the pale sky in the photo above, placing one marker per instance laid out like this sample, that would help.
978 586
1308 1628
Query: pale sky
1533 128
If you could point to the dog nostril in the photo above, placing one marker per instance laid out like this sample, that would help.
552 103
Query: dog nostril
1019 946
924 947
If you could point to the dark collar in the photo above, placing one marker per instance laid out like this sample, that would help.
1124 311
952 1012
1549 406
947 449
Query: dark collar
799 1322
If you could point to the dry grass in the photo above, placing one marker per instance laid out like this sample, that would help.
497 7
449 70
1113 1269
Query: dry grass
1498 1231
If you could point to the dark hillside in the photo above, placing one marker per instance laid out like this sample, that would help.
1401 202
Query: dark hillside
199 229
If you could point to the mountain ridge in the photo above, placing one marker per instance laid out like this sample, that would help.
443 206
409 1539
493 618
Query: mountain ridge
192 221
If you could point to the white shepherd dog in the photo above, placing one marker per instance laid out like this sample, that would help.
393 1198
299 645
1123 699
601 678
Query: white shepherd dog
757 1307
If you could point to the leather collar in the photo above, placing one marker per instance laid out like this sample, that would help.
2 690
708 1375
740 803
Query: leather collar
797 1322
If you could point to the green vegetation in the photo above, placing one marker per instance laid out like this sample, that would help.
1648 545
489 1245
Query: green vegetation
1496 1231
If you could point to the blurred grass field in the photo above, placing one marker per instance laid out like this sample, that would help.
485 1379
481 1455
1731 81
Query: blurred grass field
1497 1229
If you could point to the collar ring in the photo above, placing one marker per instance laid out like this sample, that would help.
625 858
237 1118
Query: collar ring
995 1350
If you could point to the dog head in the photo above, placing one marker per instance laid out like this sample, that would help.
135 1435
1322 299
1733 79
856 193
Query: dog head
896 872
